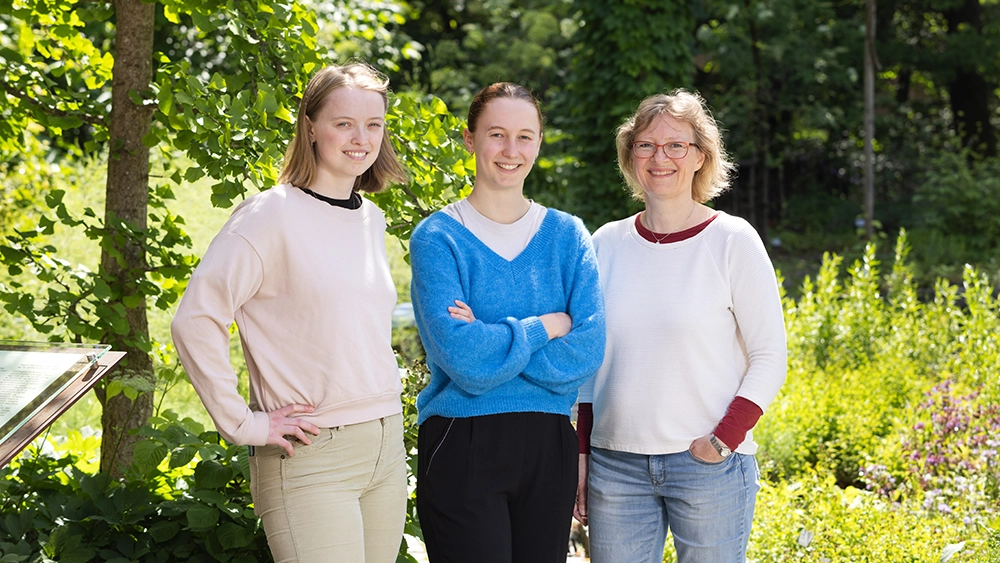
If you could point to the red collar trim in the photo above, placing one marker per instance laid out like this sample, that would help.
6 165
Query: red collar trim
673 237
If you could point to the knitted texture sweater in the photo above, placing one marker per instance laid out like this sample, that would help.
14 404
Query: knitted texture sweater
503 361
308 286
691 325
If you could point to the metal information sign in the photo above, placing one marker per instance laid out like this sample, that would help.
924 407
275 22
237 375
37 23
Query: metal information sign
39 382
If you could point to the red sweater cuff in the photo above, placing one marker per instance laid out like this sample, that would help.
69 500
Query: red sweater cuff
740 418
584 425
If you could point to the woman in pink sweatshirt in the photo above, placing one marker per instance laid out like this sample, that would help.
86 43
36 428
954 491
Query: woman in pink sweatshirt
301 269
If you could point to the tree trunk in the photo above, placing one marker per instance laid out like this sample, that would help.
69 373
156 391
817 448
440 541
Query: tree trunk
969 92
761 116
127 198
869 126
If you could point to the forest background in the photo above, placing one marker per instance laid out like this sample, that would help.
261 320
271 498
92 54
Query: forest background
128 129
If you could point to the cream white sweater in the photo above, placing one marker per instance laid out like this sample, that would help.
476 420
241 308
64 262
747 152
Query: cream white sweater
308 285
690 325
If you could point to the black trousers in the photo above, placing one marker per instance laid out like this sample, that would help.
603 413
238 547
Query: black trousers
497 488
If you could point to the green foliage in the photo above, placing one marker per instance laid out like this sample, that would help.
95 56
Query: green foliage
428 141
185 499
860 358
459 39
79 303
417 376
882 441
959 212
234 125
652 54
370 30
22 179
946 460
812 519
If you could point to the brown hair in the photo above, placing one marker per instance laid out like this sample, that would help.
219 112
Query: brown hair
300 159
501 90
714 176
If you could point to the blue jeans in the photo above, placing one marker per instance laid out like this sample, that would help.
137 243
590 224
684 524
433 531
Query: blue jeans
635 498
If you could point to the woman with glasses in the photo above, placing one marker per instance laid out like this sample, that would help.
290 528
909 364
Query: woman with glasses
508 304
695 352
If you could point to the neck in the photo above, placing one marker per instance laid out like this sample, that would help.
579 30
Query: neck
332 187
671 217
502 207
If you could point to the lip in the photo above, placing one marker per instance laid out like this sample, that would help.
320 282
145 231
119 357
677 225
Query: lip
661 173
356 155
507 167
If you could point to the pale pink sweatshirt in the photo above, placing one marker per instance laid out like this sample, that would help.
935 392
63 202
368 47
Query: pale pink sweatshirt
308 285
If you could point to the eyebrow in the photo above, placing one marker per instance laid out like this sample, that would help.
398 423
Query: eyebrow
335 117
492 127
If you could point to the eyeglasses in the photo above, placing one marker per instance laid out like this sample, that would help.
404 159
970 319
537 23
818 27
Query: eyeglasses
673 149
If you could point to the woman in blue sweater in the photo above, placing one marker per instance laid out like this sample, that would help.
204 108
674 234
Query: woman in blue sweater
508 304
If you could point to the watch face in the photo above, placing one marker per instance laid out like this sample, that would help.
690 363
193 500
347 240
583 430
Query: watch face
723 449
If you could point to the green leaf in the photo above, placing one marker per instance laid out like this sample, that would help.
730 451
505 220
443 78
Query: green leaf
283 114
201 517
113 388
54 198
211 474
193 174
171 14
233 536
148 454
151 139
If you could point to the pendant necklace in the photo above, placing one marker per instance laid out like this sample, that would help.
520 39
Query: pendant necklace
661 238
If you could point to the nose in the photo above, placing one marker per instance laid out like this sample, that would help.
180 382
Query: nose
360 136
510 147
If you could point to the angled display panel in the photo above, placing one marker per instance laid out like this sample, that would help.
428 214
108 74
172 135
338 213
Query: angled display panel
39 381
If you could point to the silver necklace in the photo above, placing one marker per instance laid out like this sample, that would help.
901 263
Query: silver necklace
661 238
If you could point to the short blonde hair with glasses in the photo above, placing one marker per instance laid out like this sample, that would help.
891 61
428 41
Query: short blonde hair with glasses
714 176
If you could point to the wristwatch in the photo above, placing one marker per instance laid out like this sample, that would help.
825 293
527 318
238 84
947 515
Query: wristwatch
720 447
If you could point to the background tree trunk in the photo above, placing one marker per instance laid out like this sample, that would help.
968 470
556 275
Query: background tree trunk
970 93
127 198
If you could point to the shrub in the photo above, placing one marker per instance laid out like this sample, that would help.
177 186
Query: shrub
170 507
810 519
185 498
958 203
947 460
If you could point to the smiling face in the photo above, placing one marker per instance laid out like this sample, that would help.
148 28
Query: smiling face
662 177
506 141
347 132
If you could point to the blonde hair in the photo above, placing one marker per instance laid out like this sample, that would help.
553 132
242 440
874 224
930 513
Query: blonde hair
714 176
299 167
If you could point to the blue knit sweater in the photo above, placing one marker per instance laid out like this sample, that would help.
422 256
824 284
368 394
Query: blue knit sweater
504 362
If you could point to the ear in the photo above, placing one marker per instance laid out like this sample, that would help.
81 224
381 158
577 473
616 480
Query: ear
469 144
309 129
701 160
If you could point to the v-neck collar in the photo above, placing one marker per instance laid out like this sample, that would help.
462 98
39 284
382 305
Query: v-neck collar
544 232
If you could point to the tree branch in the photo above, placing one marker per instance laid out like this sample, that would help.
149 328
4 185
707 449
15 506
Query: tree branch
55 112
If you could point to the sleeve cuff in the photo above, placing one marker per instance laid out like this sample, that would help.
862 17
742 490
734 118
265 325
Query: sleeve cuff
740 418
584 425
536 333
259 427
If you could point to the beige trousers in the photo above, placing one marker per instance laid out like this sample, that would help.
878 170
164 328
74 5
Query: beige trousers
341 499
